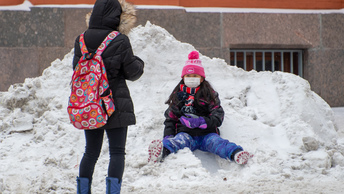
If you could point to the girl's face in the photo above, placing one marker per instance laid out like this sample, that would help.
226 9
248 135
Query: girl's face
193 80
193 75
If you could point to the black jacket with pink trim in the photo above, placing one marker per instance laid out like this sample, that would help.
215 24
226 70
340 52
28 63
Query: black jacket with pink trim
212 113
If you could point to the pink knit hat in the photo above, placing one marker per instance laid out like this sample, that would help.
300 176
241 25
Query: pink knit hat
193 65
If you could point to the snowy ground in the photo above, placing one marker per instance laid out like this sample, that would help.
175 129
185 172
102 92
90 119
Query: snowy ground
296 139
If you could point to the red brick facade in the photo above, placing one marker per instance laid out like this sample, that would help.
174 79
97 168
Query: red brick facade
277 4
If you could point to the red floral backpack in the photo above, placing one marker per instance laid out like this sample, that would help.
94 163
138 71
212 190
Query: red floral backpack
89 107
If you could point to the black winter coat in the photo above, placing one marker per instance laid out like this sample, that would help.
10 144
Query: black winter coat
120 62
212 113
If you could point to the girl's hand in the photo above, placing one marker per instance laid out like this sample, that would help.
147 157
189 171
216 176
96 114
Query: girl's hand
193 121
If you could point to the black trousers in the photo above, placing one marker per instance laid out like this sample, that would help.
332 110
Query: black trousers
94 140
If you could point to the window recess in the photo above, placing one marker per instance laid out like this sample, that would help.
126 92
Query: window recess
268 60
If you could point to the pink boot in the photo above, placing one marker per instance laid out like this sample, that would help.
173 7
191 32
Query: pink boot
242 157
155 150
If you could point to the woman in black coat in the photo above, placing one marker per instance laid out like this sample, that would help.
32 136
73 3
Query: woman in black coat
121 65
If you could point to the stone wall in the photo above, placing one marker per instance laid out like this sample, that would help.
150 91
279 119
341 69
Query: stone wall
30 41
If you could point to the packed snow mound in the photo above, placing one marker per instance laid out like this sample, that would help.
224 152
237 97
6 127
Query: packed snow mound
275 116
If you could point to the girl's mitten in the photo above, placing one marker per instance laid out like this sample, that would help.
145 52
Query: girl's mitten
192 121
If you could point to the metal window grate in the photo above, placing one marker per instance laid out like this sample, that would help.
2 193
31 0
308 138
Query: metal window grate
268 60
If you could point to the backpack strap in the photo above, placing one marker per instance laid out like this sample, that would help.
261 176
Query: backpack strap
106 42
82 44
100 49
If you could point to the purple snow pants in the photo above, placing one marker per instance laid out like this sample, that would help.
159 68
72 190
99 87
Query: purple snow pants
209 143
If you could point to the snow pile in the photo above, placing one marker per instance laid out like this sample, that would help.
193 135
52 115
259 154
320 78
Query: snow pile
289 129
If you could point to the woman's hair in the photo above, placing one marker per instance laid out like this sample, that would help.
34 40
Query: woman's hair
206 91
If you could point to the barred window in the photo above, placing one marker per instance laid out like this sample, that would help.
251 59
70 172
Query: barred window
268 60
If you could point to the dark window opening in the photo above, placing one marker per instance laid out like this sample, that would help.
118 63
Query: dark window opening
268 60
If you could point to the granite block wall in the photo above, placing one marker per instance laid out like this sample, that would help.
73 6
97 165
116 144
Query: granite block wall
31 40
